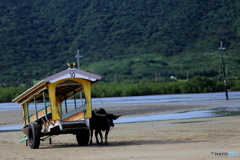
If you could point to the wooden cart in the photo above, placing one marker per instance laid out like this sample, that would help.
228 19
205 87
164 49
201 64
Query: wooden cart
50 107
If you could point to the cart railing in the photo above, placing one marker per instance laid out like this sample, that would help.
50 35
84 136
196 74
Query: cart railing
37 115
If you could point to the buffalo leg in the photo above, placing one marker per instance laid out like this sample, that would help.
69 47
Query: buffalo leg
91 136
96 135
101 136
106 136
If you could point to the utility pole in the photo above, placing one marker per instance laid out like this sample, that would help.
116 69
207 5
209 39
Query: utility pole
221 48
78 58
78 62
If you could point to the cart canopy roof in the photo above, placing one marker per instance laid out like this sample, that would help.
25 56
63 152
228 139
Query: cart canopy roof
66 81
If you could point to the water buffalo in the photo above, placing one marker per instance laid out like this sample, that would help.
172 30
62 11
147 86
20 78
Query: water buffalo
101 121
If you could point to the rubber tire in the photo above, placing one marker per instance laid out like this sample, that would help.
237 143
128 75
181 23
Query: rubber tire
83 137
33 135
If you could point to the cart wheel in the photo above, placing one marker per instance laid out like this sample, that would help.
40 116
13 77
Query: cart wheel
83 137
33 135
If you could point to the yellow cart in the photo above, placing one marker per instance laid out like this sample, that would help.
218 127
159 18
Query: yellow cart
50 107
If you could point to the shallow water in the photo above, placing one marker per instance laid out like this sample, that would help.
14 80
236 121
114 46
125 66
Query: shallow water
11 128
186 98
216 112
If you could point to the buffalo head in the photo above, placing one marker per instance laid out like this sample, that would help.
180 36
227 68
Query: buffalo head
101 113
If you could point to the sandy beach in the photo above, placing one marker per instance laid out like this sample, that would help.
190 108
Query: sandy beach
172 139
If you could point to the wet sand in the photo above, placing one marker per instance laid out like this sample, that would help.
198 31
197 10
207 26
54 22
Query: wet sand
175 139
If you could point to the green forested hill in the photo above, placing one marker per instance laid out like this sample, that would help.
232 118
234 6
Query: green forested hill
131 39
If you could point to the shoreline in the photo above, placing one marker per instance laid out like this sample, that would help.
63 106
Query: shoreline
14 117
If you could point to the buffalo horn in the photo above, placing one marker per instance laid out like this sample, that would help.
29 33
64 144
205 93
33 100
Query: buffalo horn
99 115
117 116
